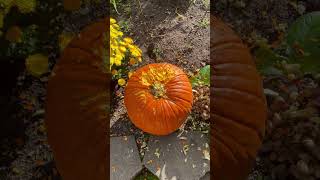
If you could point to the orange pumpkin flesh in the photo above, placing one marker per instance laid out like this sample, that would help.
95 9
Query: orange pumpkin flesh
158 98
238 107
76 118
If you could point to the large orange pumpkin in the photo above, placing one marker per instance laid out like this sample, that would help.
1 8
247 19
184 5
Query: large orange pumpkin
238 106
158 98
76 114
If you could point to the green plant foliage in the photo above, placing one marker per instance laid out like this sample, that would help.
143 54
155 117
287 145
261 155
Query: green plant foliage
124 25
30 43
114 3
202 77
267 60
303 41
40 30
301 45
146 175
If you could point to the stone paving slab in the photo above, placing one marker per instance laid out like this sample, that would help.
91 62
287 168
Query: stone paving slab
125 160
206 176
186 157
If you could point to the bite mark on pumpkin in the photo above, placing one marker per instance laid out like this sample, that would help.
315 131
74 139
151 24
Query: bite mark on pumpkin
157 75
156 79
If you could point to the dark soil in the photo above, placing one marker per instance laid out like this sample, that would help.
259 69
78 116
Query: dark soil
176 32
9 72
250 18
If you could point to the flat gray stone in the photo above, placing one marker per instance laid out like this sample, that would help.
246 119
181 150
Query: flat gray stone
125 161
178 158
206 176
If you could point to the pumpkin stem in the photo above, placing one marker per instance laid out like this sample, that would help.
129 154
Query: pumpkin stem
158 90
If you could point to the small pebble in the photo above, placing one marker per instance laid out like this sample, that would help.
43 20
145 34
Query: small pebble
292 68
294 95
277 120
308 143
270 92
303 167
291 77
317 171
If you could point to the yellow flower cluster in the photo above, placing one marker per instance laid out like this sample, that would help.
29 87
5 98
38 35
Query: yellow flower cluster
37 64
24 6
120 47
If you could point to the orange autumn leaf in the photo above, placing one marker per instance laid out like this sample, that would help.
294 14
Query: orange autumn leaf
14 34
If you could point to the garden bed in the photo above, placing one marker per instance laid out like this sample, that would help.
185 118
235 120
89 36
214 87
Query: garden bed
176 32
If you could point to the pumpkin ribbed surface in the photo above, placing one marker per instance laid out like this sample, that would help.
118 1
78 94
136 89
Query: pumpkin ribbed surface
238 107
158 98
76 116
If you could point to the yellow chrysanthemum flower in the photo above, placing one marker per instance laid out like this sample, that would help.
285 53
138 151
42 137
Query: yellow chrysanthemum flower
116 26
122 43
128 40
26 6
111 61
119 46
6 3
123 49
135 53
118 59
121 82
112 21
37 64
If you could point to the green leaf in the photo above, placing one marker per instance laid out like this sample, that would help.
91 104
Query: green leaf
303 39
202 77
114 3
267 59
146 175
